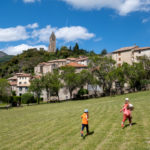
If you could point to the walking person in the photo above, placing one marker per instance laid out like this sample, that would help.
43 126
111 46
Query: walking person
126 109
85 118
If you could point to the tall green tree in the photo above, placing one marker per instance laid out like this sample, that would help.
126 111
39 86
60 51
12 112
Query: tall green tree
5 90
103 52
46 81
36 87
145 61
103 68
71 79
87 78
137 75
76 48
52 83
120 78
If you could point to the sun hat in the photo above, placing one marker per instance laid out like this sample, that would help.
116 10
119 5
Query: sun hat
85 110
126 99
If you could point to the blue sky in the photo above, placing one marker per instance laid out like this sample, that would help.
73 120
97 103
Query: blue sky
94 24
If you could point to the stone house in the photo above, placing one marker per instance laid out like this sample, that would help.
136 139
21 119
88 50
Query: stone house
49 66
78 63
129 54
20 83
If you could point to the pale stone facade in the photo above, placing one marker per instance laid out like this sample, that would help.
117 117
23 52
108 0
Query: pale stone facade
78 63
20 83
45 67
141 52
52 45
129 54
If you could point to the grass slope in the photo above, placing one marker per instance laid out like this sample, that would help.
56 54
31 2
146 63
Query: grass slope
57 126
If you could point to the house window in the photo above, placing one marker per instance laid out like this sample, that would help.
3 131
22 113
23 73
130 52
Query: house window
26 88
119 59
20 88
25 82
139 52
19 82
119 54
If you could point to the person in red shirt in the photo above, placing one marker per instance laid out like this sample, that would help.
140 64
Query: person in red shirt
85 118
126 113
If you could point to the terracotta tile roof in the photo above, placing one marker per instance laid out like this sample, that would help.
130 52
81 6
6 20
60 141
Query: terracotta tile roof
13 83
37 77
23 75
13 78
125 49
71 58
76 65
57 60
80 59
43 63
142 48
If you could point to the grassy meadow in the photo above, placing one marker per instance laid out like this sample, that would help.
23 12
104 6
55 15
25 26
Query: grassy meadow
57 126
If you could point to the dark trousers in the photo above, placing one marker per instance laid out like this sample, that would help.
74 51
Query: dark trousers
87 127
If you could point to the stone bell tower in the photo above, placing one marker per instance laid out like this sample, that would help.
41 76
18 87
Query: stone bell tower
52 45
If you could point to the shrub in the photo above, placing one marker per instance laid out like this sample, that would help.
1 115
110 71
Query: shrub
27 98
4 99
13 93
82 91
16 100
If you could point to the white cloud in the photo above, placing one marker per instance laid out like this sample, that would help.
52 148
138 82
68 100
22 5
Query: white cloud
13 34
68 34
123 7
43 34
32 26
14 50
73 33
30 1
145 20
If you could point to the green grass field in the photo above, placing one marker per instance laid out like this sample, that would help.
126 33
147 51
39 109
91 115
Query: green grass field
57 126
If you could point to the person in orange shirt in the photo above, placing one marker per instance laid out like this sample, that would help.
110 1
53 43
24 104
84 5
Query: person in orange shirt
85 118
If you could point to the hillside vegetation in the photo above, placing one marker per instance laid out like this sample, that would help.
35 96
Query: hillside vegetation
26 61
57 126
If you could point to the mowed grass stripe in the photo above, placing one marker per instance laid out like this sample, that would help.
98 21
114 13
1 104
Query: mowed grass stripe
73 130
73 139
57 126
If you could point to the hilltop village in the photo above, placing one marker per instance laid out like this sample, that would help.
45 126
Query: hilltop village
20 82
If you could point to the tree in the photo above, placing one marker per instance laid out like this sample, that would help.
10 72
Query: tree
103 52
71 79
120 77
53 83
76 48
145 61
5 90
46 81
136 76
27 98
86 77
36 87
103 69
